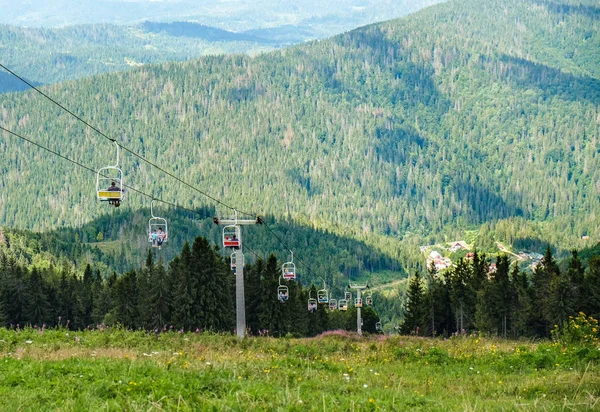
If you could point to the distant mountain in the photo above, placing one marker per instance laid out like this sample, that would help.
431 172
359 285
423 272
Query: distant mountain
200 31
466 115
53 55
236 15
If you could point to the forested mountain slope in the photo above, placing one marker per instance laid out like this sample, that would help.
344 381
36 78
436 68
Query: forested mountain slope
118 241
50 55
464 113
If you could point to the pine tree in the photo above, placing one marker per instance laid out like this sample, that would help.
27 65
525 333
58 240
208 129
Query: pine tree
591 288
126 295
521 313
541 293
272 314
37 306
213 305
462 296
414 314
575 276
253 298
158 304
183 289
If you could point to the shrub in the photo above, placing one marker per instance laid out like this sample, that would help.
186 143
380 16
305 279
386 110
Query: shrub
582 330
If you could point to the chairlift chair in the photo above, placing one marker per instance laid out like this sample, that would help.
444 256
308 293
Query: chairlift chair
343 305
233 261
158 229
358 302
232 236
283 293
332 304
322 296
378 326
348 296
369 300
312 304
109 183
288 269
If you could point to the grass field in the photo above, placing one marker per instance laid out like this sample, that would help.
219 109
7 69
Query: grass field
121 370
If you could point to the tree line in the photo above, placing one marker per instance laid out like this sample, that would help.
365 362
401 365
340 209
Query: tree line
195 292
501 299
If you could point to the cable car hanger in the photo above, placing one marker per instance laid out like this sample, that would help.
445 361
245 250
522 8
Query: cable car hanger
156 234
115 192
283 292
323 295
312 303
288 269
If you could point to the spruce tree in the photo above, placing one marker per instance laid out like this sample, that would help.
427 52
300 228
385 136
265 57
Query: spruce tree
521 311
272 313
158 302
541 293
414 314
591 288
183 289
37 306
462 296
253 298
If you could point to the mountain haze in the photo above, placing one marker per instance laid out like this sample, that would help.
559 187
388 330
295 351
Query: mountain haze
464 113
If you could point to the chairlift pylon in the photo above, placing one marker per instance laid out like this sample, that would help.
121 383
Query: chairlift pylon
109 183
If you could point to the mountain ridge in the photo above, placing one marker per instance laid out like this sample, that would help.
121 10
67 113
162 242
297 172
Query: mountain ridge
442 121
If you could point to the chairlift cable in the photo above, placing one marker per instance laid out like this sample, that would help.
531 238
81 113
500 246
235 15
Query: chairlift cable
94 171
219 202
120 145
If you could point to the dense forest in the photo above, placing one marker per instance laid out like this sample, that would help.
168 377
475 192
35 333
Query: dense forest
195 293
463 114
118 241
500 300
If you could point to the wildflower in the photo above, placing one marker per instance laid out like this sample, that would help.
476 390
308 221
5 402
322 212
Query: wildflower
28 341
371 400
299 379
365 386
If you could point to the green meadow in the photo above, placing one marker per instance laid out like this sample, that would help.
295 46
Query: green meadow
115 369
